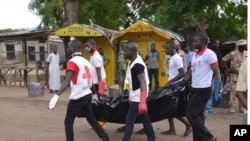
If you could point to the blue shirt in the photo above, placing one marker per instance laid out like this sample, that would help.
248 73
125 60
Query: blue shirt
188 58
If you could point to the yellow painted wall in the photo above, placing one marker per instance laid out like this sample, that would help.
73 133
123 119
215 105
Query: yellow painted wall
143 42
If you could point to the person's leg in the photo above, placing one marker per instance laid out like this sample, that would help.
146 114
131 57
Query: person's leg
130 121
187 124
208 108
195 115
94 90
233 99
121 129
92 120
148 127
171 130
150 74
69 121
156 77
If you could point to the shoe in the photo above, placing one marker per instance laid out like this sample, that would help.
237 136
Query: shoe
168 132
209 112
188 131
214 138
142 131
121 129
231 109
106 139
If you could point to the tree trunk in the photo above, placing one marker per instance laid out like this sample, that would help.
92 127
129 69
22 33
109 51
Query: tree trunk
71 12
71 17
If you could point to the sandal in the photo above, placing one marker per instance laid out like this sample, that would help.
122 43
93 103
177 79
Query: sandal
169 132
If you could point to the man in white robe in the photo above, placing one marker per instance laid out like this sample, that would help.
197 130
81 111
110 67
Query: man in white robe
53 62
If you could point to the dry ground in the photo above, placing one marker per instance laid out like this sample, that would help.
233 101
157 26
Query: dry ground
27 119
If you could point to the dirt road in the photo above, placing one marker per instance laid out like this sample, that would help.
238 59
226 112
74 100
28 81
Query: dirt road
27 119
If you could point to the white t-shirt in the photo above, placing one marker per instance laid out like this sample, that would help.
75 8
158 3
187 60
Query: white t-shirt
97 62
201 68
175 63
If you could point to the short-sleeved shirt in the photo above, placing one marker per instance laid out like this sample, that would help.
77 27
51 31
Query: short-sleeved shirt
242 77
153 58
97 62
135 68
236 59
81 81
175 63
188 58
201 68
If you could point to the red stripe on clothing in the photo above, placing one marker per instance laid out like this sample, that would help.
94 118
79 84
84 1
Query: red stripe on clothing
71 66
213 63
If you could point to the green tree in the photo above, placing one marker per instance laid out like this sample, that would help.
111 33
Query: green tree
218 18
50 11
7 30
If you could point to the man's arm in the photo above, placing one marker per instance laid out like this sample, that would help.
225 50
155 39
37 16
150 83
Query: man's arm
143 84
99 74
146 58
180 75
188 75
216 71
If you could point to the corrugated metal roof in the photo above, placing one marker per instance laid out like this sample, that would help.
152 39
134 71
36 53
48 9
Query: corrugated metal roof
25 34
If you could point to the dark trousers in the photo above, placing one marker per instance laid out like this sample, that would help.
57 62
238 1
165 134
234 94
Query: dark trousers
130 121
195 113
77 107
155 73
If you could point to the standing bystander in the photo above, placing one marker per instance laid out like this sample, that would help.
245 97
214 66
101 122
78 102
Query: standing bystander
236 58
241 88
152 58
53 61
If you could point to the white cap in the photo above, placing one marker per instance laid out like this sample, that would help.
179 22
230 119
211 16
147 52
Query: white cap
241 42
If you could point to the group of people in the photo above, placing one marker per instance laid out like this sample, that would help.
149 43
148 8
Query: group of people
87 78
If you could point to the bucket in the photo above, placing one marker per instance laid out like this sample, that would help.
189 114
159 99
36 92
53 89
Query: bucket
36 89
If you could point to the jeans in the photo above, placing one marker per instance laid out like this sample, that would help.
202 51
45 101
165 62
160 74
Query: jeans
215 96
130 121
77 107
154 72
195 113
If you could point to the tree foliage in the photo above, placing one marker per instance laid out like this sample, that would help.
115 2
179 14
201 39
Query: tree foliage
107 13
7 30
221 19
50 11
218 18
